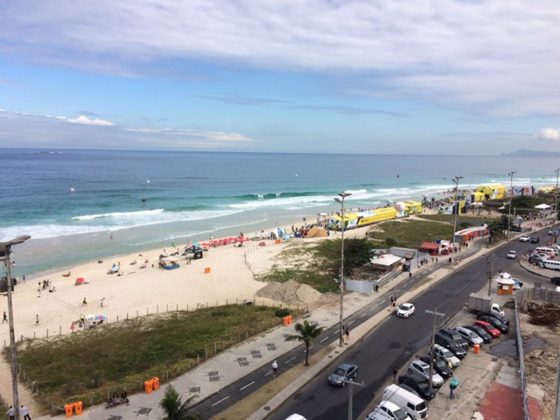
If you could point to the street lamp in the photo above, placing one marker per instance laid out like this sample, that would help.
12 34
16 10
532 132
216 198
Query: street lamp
510 174
5 251
456 211
557 171
351 397
435 313
340 199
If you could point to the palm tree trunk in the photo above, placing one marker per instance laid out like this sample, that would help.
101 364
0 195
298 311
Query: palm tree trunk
306 354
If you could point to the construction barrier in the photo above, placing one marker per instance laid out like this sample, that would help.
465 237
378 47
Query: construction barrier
148 386
68 409
155 382
78 405
207 270
278 241
476 348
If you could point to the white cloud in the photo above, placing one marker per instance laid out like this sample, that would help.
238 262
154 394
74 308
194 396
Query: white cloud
82 119
550 134
498 56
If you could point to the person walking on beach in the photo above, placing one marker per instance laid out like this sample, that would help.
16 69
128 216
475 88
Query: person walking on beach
4 317
24 412
84 302
275 368
37 319
102 302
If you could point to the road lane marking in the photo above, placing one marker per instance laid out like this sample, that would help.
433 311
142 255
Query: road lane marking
351 322
289 360
362 315
246 386
221 401
326 338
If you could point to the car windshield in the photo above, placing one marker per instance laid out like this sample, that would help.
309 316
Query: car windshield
446 353
404 307
421 406
400 414
339 371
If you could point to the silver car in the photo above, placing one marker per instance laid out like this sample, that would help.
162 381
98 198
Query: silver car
423 369
472 337
446 355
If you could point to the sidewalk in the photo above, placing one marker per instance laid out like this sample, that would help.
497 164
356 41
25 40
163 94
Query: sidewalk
233 364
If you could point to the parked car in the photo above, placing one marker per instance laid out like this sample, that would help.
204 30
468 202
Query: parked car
455 337
423 369
535 259
555 280
447 356
534 240
343 373
494 315
512 255
405 310
386 410
471 337
496 309
489 328
450 345
524 238
495 322
408 401
440 366
481 332
419 384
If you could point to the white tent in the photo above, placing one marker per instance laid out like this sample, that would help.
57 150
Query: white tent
543 207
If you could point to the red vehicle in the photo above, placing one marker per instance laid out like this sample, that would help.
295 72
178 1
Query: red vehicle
489 328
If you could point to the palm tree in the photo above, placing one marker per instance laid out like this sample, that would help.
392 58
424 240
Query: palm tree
174 407
306 332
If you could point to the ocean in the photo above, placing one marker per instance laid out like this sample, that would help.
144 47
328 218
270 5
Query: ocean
83 205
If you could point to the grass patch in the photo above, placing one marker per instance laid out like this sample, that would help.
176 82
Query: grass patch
90 365
322 280
411 233
465 220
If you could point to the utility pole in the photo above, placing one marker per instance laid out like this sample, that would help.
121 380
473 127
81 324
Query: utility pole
351 396
435 313
340 200
510 174
456 211
557 171
5 251
490 264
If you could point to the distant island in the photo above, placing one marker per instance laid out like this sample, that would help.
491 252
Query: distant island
531 153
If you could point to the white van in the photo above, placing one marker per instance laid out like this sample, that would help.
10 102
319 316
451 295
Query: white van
551 264
545 250
412 404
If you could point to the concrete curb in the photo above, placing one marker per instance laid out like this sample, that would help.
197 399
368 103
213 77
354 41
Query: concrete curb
357 333
523 266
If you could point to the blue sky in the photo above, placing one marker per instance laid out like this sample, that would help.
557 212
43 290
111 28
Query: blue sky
440 76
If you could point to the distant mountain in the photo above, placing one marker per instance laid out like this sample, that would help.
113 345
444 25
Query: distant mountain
531 153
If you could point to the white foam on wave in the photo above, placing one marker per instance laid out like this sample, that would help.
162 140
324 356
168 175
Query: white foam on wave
118 215
134 219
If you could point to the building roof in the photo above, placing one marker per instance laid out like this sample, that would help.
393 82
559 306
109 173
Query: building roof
386 260
429 245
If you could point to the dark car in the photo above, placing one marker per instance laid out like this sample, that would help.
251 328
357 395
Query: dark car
535 259
481 332
343 373
450 345
494 315
409 389
515 228
455 336
440 366
555 280
495 322
419 384
534 239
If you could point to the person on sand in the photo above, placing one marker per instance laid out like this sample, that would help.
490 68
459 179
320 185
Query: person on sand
11 413
84 302
102 302
4 317
37 319
24 412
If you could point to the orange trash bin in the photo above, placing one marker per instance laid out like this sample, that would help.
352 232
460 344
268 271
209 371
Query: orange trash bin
68 409
78 405
476 348
148 386
155 382
207 270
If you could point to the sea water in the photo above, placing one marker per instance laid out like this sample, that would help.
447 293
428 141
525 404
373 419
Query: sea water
83 205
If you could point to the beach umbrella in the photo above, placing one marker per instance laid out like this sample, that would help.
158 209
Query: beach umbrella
79 280
190 245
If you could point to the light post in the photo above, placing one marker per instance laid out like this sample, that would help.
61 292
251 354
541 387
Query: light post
340 199
557 171
435 313
510 174
5 250
456 211
490 264
351 383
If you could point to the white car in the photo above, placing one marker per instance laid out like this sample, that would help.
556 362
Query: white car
405 310
524 238
469 335
386 410
446 355
512 255
423 369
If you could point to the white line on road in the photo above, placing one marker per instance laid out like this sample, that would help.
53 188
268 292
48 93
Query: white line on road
246 386
350 323
362 315
289 360
222 400
326 338
268 373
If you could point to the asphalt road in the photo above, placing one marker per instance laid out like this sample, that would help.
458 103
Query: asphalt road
396 340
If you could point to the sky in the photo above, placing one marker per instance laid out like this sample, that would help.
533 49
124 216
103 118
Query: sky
329 76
